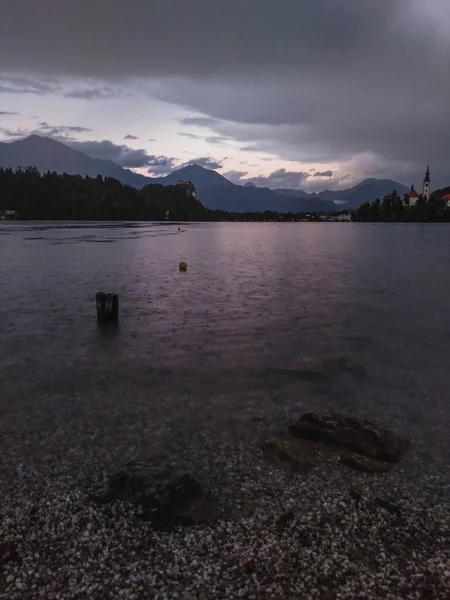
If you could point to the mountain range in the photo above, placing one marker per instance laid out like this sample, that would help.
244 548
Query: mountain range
214 190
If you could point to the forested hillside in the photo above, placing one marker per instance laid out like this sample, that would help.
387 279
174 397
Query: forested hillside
54 196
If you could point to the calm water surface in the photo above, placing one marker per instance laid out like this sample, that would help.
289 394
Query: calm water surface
257 301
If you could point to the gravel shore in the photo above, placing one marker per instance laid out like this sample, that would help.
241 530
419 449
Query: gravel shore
317 535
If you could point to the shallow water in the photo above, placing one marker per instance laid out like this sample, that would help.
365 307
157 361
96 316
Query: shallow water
238 337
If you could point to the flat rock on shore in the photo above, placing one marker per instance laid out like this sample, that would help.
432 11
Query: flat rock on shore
358 435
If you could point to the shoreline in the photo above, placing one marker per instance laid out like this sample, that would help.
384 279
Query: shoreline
283 535
325 546
203 369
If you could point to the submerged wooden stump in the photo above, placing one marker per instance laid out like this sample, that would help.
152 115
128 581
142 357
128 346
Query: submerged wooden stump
107 307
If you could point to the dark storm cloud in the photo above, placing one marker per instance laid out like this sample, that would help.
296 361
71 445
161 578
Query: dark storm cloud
237 177
280 178
199 121
62 133
205 162
52 130
124 156
136 38
312 80
130 137
253 148
217 140
328 173
190 135
15 134
90 93
14 84
161 165
277 179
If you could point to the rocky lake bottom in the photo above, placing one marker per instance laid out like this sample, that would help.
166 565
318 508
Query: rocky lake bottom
205 372
324 532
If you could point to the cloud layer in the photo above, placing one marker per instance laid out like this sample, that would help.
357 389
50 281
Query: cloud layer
281 178
362 85
266 36
125 156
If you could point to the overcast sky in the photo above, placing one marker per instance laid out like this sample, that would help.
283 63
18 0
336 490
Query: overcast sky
287 93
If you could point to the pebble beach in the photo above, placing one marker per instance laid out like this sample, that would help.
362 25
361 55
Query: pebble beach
201 379
315 535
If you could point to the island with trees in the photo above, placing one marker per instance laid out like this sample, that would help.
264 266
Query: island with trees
392 208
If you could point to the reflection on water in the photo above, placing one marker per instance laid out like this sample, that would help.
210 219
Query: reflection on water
256 302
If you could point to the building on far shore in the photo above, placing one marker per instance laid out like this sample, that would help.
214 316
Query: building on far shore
413 196
8 214
445 201
189 187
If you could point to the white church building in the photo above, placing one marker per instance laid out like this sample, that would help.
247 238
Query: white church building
413 196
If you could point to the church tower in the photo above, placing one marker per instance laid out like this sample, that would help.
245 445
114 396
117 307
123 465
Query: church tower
426 185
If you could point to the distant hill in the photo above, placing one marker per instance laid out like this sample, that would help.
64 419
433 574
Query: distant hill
217 192
437 194
47 154
366 191
199 176
293 193
214 190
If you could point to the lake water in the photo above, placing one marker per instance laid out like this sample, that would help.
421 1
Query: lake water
233 334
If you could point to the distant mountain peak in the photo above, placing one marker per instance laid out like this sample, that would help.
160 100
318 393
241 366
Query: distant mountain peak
200 176
198 167
250 184
48 154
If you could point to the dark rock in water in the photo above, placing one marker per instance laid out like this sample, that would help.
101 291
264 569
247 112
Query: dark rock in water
286 453
359 435
366 464
388 505
167 498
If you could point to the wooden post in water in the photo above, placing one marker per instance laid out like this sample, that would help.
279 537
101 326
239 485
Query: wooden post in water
107 307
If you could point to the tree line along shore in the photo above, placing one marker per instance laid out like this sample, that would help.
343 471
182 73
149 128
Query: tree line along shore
27 194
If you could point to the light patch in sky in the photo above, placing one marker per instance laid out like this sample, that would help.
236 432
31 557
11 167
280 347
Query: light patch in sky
276 86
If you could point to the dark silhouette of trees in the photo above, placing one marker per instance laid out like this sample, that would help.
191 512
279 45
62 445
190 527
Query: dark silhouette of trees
55 196
392 208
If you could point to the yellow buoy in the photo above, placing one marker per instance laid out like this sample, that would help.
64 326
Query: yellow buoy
183 266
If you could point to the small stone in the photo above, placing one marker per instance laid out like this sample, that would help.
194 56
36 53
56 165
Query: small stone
366 464
8 553
356 495
286 453
285 519
390 506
